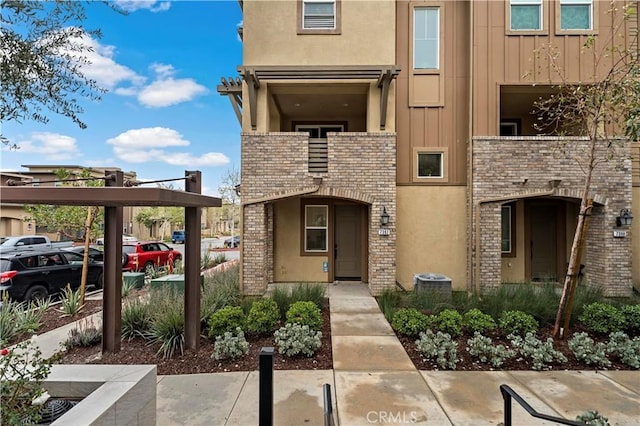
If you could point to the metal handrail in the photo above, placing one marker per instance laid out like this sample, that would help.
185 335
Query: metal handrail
508 394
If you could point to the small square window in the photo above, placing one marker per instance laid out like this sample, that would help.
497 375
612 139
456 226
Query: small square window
430 165
318 16
576 15
526 15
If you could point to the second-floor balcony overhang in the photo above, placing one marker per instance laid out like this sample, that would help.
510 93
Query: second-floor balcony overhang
311 92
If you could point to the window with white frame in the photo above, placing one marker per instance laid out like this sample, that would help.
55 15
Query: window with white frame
316 226
35 182
426 38
430 165
525 15
576 15
318 14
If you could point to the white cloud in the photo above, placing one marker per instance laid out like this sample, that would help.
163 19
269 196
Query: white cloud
149 137
52 146
166 90
146 145
151 5
98 64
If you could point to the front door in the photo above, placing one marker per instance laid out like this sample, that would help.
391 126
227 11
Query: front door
348 242
546 238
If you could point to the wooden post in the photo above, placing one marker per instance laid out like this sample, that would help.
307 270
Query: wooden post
191 262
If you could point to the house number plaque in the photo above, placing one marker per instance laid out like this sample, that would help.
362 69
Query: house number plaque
619 233
384 231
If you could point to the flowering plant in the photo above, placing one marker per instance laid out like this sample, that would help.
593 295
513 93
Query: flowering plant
22 372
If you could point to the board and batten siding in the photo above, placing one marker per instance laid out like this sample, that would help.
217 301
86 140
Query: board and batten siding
500 58
447 124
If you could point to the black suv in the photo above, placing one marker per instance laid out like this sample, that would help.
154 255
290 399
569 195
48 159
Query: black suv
37 274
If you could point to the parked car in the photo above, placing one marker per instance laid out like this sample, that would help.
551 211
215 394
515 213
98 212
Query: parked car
232 242
177 237
31 242
145 256
32 275
125 239
94 253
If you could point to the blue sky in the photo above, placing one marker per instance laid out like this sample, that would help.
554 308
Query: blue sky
161 64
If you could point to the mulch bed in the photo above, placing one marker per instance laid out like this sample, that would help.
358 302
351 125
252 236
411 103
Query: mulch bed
468 363
139 351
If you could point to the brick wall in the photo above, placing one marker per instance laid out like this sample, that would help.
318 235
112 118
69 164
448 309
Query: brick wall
361 167
521 168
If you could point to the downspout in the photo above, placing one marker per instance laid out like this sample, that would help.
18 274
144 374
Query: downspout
476 282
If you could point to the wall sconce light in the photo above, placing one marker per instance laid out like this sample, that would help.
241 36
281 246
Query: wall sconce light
624 219
29 227
384 217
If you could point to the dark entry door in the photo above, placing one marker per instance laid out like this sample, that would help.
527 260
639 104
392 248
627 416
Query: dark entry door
348 242
544 242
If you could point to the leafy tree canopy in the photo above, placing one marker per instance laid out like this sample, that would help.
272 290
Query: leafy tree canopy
43 50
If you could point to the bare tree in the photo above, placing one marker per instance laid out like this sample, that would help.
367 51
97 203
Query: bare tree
229 192
606 110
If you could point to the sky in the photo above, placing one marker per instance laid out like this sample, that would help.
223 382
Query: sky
161 115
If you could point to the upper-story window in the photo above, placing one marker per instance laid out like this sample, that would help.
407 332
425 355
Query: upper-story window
426 38
525 15
318 16
576 15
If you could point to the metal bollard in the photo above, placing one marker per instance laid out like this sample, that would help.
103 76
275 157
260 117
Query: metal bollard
265 396
328 406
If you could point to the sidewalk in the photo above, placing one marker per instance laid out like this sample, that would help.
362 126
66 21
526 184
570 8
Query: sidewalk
375 382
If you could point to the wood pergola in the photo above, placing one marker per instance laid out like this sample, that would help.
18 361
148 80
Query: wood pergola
113 197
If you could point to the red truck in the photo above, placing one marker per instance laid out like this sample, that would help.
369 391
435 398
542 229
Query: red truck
149 255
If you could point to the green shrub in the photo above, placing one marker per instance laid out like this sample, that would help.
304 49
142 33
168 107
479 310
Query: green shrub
628 350
136 319
71 301
230 346
226 319
85 334
631 315
167 328
410 322
167 321
475 321
518 323
219 291
389 302
305 313
26 385
263 316
449 321
602 318
286 295
296 339
438 347
585 349
539 353
484 350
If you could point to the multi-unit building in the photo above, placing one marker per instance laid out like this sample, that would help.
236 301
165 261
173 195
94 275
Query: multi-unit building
13 217
384 139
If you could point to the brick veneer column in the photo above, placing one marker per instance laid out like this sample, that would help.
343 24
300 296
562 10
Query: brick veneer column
361 167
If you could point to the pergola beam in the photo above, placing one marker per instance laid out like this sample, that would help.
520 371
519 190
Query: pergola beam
114 197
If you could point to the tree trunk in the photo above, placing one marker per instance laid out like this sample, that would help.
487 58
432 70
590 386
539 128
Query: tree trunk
570 281
85 261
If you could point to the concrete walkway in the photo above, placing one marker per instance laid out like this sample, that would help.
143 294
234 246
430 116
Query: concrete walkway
375 382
